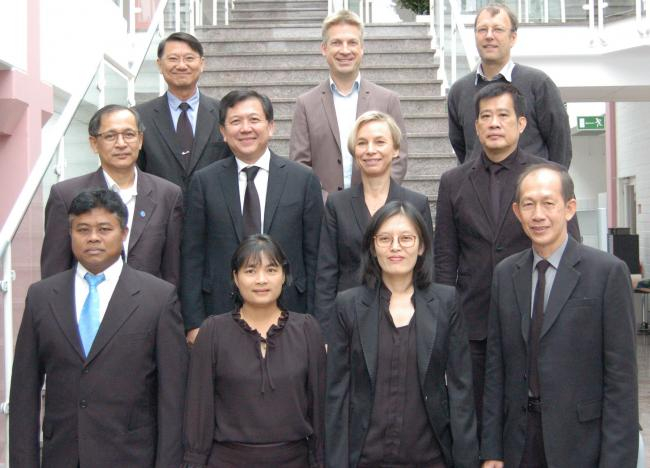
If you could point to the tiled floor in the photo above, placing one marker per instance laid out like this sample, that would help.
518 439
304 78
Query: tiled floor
643 361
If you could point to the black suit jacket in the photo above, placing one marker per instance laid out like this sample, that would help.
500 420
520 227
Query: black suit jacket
214 229
160 154
120 406
587 363
155 240
444 373
468 245
344 224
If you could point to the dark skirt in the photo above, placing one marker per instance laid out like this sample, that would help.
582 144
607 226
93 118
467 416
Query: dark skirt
231 455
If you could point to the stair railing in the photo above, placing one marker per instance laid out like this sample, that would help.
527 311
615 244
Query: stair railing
642 17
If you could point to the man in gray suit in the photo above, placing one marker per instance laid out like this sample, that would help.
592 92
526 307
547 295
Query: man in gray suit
155 218
325 115
561 379
182 134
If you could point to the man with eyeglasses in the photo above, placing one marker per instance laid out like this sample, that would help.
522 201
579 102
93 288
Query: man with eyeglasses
548 133
182 133
155 206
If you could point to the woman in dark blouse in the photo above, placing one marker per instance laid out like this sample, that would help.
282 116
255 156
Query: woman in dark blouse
374 142
399 381
255 393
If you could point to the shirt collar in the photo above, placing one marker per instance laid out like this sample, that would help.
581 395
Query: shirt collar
112 185
263 162
506 73
112 273
174 102
507 163
355 87
554 258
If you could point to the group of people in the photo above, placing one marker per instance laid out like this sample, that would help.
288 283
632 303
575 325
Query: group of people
206 302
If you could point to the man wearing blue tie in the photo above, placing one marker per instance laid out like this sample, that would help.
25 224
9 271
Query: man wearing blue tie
110 341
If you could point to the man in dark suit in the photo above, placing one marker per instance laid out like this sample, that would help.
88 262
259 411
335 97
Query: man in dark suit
475 227
181 125
254 191
561 379
325 115
155 206
109 340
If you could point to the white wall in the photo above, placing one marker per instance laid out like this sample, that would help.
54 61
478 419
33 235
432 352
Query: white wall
633 150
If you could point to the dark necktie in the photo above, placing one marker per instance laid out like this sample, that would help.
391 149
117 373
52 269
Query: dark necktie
495 192
536 328
252 213
184 132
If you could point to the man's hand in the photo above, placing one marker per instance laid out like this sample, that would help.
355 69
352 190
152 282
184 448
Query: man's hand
492 464
191 335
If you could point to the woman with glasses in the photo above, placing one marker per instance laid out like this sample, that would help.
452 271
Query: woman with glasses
374 142
399 381
256 385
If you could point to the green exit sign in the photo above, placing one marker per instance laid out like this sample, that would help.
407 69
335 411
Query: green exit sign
591 122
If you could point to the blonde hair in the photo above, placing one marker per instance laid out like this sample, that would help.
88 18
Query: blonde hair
341 17
374 116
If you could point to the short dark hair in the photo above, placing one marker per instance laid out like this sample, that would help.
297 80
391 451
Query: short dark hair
96 120
370 269
90 199
496 8
250 251
188 39
236 96
499 89
566 182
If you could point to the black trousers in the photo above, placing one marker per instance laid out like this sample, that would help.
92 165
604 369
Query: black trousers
534 456
478 350
289 455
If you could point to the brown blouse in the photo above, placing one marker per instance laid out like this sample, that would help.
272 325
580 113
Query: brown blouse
236 395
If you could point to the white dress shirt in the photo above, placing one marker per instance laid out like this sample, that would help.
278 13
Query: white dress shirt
128 196
346 114
506 72
261 181
105 289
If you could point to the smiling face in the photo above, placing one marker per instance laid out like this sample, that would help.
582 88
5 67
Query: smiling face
259 282
498 127
181 67
343 50
494 38
121 153
246 130
97 238
374 149
398 258
542 211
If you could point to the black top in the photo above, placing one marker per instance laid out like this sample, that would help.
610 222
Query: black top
399 432
236 395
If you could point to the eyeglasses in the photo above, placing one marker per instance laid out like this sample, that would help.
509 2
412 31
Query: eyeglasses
497 31
188 59
404 240
252 121
129 136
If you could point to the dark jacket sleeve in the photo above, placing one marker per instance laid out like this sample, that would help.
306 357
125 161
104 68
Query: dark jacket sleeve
328 269
311 224
456 135
399 166
316 389
171 365
56 254
445 247
171 261
553 122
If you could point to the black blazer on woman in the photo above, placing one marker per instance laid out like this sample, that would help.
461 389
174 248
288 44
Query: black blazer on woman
444 367
345 221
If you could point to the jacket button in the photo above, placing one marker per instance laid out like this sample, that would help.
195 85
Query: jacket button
85 371
339 161
525 376
83 404
499 248
340 188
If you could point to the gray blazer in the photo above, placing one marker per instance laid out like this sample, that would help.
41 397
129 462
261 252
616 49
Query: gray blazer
587 362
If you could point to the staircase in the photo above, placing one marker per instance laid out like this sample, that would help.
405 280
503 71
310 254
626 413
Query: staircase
274 48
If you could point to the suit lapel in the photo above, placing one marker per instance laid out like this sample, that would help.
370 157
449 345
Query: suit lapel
274 189
122 304
566 279
368 321
426 325
62 306
363 102
162 119
480 183
206 123
509 187
522 281
98 180
145 205
229 180
330 113
359 208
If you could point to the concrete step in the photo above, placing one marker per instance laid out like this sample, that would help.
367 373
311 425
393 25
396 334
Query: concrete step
305 31
425 184
280 20
262 44
270 14
274 89
430 163
414 123
314 74
226 60
243 5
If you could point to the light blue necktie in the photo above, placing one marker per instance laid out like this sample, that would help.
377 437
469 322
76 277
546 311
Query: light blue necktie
89 318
